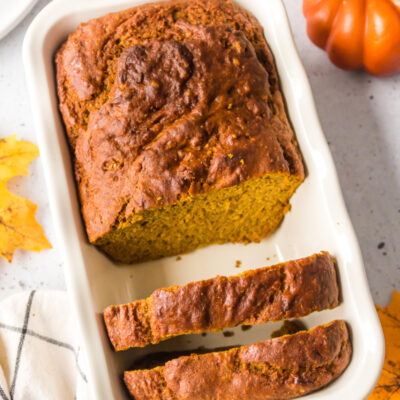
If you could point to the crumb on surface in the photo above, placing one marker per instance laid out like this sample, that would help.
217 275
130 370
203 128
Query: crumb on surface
179 258
245 327
238 263
288 328
228 333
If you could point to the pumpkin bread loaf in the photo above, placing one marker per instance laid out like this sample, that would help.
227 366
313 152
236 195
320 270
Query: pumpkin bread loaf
178 128
289 290
282 368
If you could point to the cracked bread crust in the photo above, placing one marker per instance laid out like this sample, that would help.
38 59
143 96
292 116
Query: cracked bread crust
289 290
165 101
281 368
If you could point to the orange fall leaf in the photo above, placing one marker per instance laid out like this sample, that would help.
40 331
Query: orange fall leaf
388 386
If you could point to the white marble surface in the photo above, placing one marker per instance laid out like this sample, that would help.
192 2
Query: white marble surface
361 119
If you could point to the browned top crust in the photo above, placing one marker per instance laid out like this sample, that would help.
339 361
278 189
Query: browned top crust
281 368
288 290
169 100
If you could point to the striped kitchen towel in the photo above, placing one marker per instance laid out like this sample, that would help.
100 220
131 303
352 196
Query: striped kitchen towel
39 353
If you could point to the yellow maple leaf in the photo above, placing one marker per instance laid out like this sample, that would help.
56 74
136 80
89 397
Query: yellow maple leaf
388 386
18 227
15 156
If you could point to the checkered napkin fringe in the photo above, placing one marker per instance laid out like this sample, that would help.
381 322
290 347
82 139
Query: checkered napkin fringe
39 354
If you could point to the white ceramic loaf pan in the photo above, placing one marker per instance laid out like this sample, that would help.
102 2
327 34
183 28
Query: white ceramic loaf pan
318 219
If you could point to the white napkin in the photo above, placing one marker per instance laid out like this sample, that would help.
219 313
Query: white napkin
39 355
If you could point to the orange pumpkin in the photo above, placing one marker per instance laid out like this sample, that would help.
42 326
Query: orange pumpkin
357 33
